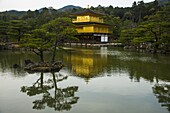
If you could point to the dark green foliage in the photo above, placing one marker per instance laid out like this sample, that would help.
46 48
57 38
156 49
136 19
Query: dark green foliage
49 36
63 30
115 24
4 31
18 28
163 2
162 93
153 32
52 96
143 23
38 41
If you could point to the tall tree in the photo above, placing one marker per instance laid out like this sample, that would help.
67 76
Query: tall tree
155 31
158 28
126 36
4 31
39 41
141 7
134 12
19 27
63 29
115 24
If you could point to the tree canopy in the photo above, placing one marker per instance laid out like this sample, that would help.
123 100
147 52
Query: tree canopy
155 30
141 24
49 37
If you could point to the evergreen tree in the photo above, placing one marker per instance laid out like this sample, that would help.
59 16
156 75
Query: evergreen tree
4 31
154 31
63 29
18 28
38 41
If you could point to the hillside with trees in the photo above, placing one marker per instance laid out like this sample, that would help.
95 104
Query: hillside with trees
143 25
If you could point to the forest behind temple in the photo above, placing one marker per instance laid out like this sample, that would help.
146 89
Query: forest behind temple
143 25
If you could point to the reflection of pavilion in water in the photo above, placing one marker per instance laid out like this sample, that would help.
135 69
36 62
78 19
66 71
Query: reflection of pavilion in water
87 63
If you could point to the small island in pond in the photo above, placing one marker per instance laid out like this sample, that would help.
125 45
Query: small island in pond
42 66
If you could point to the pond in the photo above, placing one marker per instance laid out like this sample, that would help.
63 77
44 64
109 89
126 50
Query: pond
98 80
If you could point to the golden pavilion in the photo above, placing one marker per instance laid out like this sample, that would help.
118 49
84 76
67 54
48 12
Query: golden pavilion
90 26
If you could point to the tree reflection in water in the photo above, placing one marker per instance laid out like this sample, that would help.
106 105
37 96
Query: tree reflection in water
162 92
62 99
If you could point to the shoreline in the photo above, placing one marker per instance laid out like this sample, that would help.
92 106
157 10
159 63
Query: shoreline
15 47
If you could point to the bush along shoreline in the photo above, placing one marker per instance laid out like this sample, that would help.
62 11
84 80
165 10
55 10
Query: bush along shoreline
32 67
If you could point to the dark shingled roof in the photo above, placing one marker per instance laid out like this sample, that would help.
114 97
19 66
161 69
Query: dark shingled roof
87 12
89 23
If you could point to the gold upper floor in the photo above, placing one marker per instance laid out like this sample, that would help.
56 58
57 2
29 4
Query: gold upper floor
93 29
88 21
88 18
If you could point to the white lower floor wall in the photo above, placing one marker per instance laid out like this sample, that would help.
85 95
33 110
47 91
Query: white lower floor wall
104 38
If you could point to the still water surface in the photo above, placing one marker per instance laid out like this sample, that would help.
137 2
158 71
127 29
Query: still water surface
103 80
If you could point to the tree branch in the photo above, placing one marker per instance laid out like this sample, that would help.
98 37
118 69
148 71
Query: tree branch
36 52
46 42
154 34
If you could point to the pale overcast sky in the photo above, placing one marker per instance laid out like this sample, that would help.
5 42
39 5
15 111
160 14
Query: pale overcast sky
25 5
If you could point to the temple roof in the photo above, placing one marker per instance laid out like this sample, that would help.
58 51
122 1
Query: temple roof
91 23
87 12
